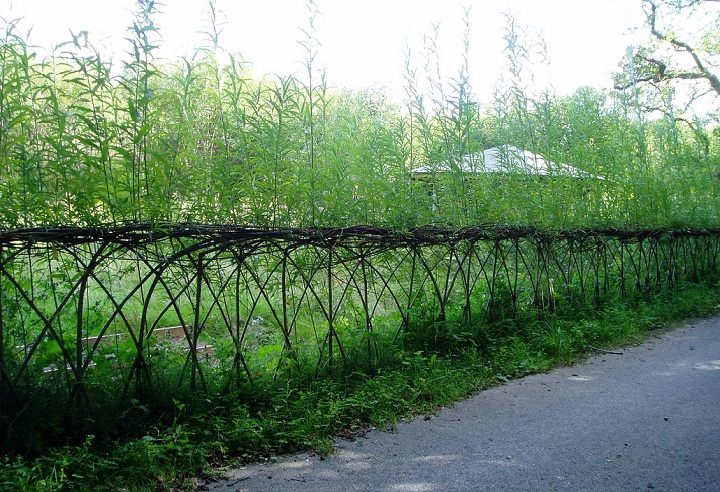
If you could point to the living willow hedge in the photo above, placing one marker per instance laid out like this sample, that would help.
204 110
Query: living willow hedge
185 230
86 143
96 320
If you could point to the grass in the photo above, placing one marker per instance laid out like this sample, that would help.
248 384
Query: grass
198 437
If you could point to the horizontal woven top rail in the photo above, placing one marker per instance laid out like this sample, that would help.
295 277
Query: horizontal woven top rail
136 234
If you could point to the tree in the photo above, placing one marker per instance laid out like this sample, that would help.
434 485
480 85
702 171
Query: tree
681 58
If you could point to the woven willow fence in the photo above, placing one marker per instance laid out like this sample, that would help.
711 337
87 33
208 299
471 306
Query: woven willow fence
91 315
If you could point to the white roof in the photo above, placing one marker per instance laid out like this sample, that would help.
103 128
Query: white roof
504 159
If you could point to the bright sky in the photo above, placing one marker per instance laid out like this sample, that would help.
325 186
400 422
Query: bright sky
363 42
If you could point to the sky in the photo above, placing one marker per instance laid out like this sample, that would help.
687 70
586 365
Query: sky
363 43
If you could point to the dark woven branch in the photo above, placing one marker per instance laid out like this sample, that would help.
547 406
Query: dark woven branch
220 237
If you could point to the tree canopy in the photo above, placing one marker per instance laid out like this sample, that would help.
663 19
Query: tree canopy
681 56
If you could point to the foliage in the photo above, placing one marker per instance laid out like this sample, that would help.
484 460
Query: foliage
200 140
185 280
286 417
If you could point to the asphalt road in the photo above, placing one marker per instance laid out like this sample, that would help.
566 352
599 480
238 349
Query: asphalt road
645 420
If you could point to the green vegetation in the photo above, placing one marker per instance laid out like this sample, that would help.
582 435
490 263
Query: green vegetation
86 143
198 267
283 417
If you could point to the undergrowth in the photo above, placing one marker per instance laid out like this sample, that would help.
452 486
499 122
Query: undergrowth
198 437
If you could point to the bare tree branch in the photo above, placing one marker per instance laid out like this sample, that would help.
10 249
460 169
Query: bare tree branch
650 8
678 5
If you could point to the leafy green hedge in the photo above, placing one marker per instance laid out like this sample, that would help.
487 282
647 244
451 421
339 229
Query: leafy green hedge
86 143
